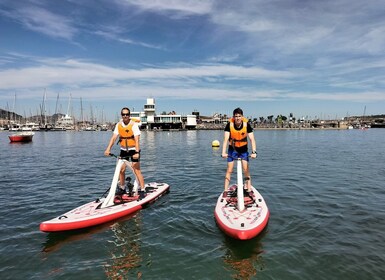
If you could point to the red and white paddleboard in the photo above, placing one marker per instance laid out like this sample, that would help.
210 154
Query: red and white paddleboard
106 209
238 215
244 224
91 214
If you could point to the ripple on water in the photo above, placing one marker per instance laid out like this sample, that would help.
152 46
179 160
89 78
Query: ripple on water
324 190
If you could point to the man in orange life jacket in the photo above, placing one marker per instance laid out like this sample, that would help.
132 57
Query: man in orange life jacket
237 131
128 131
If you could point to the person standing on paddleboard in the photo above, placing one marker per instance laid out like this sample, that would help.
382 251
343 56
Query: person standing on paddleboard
129 138
237 131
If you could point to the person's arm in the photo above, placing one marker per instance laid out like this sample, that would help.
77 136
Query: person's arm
137 147
136 131
253 145
115 135
112 141
137 143
225 143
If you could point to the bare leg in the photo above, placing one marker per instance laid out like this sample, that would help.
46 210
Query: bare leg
138 174
122 175
230 166
246 173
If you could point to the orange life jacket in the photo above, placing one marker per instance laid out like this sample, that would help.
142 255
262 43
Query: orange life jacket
238 138
126 135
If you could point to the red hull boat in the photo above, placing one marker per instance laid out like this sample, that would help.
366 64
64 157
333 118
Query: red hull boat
21 137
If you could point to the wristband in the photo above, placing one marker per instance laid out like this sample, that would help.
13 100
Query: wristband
254 152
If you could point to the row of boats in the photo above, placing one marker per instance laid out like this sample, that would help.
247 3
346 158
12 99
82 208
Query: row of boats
25 132
22 132
22 135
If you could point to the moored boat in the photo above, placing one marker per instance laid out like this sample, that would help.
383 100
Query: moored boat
24 136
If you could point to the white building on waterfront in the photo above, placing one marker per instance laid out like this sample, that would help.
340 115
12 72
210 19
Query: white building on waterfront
150 120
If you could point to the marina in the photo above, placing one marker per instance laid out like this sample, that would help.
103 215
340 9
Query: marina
151 120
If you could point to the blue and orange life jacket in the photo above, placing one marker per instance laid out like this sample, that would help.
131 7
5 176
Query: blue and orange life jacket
238 138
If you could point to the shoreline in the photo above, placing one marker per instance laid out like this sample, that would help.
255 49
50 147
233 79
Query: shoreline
283 128
213 128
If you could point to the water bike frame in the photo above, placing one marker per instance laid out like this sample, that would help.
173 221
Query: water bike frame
109 201
240 196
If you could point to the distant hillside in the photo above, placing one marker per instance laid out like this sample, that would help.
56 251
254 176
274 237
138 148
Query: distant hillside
7 115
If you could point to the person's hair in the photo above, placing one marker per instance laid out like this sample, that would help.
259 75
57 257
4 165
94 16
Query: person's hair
238 111
125 108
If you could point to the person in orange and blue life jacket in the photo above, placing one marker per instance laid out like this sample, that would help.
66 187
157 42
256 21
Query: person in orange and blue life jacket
129 138
237 131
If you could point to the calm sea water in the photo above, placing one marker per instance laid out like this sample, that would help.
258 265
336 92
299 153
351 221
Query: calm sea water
325 190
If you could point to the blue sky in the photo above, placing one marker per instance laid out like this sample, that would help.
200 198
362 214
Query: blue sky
311 58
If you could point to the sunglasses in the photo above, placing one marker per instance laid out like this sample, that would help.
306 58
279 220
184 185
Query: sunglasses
125 115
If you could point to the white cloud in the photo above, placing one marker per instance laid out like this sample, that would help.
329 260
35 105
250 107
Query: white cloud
345 96
43 21
98 82
70 71
116 37
239 21
184 7
254 49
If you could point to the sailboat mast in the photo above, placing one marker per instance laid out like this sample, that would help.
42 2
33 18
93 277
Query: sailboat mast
56 116
45 111
81 112
14 108
69 105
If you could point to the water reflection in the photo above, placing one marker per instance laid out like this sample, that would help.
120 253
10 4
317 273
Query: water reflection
149 140
55 240
244 257
191 138
125 256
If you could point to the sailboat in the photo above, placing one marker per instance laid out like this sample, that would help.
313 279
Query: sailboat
19 135
66 122
364 125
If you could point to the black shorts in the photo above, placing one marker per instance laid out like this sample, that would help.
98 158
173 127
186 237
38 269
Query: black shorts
128 155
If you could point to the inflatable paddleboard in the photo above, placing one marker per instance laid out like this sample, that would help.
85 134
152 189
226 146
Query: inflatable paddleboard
244 224
240 215
107 208
92 213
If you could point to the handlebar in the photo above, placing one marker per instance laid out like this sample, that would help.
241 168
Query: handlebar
118 157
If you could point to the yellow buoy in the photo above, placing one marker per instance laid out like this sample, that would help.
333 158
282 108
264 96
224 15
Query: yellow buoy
215 143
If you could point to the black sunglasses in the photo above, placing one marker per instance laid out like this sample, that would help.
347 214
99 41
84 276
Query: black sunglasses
125 115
